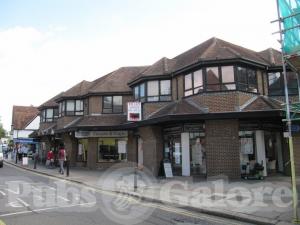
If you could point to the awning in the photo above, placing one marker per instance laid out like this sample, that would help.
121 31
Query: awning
26 140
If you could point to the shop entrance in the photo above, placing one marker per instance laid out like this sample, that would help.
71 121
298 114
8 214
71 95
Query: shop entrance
172 153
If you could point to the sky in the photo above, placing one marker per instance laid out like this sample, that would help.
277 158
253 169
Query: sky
48 46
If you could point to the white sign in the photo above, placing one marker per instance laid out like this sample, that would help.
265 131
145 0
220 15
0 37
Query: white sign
168 170
134 111
25 161
86 134
121 146
246 146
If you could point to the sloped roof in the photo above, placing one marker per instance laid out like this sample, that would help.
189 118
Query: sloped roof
100 121
117 80
262 103
182 107
22 116
77 90
213 49
51 102
272 56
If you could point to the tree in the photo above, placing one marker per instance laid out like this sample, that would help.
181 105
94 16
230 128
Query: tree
2 131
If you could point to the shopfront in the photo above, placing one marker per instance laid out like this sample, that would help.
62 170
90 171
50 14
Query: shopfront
97 148
184 148
263 144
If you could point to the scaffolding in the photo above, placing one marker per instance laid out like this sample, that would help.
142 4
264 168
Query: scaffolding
289 29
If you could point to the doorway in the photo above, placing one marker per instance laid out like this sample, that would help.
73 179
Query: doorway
173 153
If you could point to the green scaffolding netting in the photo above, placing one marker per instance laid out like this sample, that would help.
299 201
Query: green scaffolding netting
290 12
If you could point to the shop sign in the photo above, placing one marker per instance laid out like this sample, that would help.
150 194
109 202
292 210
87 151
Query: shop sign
87 134
134 111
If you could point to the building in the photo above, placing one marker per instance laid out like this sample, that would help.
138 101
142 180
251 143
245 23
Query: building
209 111
25 121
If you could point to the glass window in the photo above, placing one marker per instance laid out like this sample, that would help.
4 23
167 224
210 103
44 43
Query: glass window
276 83
117 104
49 115
198 79
136 93
112 149
142 92
188 81
70 107
107 104
227 74
212 75
247 79
252 81
55 112
79 107
152 91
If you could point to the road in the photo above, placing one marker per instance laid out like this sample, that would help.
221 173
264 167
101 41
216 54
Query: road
30 198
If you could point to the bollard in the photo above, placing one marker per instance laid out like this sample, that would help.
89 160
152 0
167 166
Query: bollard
35 160
68 167
135 180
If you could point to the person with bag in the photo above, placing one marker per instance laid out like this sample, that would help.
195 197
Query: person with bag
61 159
50 159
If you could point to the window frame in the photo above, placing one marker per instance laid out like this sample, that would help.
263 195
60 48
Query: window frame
281 88
44 115
193 88
112 107
160 97
62 108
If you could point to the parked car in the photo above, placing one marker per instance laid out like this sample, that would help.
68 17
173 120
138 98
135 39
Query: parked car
1 157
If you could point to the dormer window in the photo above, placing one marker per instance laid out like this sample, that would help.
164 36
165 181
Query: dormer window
276 83
220 78
153 91
112 104
71 108
49 115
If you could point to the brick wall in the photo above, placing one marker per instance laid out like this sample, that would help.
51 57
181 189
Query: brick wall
222 148
71 146
95 104
152 147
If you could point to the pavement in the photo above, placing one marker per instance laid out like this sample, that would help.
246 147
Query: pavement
266 201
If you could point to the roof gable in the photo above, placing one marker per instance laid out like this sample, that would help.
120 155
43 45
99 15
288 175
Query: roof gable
22 116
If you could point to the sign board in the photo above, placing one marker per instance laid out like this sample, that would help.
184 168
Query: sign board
168 170
25 161
134 111
121 146
86 134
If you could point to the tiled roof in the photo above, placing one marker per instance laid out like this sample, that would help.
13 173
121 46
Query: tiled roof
51 102
101 121
262 103
117 80
272 56
77 90
182 107
22 116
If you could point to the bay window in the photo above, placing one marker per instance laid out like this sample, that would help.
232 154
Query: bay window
112 104
247 79
193 83
157 90
49 115
70 108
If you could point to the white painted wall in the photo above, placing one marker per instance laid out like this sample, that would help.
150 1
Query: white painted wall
34 125
260 149
185 143
22 133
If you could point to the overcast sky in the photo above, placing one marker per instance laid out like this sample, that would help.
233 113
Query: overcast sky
50 45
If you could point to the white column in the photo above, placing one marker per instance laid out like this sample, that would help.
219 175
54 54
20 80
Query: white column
279 151
261 150
185 143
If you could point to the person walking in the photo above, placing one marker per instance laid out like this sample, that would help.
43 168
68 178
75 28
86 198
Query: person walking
61 158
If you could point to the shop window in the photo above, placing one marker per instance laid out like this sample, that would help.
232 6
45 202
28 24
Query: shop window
112 149
112 104
82 152
247 151
158 90
276 83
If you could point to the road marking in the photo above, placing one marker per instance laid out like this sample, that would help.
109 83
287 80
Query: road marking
46 209
110 193
35 188
2 193
23 202
12 191
63 198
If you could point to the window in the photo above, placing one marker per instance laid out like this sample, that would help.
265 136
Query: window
193 83
49 115
112 104
112 149
276 83
158 90
71 108
212 79
228 81
247 79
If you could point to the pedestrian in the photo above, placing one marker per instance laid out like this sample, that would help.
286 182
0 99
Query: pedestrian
24 150
20 153
50 159
61 158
